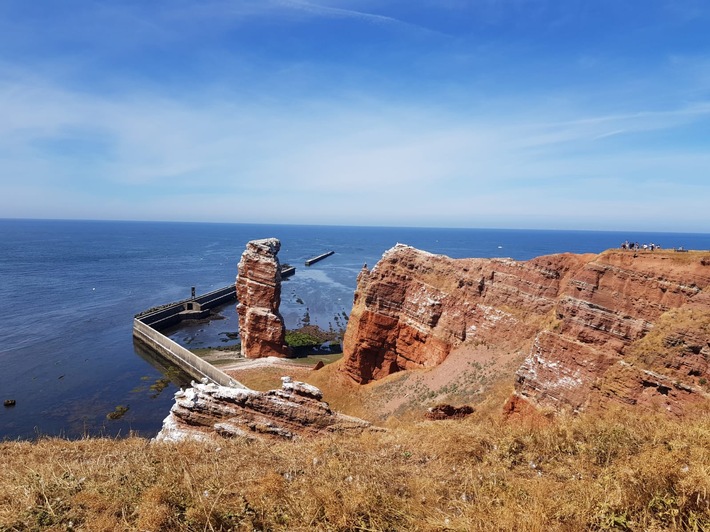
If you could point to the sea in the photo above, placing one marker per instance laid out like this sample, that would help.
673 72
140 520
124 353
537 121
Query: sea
69 291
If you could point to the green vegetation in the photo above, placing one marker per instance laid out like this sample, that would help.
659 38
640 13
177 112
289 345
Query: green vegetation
200 351
118 412
311 337
302 339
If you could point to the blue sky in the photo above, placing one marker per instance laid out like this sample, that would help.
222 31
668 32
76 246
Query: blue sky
453 113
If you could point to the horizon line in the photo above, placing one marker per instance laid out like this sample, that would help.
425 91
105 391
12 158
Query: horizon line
459 228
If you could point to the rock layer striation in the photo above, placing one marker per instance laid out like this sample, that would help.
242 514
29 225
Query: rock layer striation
261 326
205 411
621 327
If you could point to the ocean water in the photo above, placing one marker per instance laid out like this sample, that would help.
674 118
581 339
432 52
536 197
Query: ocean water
69 290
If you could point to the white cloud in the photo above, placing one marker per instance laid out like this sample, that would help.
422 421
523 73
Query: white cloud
331 160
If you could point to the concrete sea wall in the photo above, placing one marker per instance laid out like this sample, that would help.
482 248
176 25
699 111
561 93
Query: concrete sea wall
146 325
181 357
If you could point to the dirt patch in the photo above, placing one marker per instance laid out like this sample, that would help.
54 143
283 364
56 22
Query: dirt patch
464 377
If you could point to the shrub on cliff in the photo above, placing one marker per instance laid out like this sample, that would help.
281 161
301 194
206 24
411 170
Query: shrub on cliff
301 339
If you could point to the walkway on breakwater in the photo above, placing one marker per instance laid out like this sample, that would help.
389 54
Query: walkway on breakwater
319 258
146 327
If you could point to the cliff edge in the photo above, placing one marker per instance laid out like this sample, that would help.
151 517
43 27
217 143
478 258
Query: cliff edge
622 326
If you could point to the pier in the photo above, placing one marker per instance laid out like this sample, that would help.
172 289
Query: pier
319 258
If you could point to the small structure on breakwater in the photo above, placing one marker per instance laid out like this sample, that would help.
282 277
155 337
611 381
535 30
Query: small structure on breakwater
197 307
319 258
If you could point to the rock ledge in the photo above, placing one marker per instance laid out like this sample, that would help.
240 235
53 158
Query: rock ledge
206 411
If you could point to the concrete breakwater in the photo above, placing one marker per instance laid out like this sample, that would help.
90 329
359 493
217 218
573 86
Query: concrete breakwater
196 307
146 327
319 258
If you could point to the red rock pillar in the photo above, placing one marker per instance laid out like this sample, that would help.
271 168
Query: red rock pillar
261 326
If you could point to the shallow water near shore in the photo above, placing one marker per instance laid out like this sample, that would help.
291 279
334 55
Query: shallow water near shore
70 290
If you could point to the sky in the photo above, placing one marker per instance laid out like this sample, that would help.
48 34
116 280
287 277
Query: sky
543 114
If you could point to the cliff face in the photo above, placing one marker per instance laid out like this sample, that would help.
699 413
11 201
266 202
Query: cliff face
631 329
297 410
261 326
413 308
585 317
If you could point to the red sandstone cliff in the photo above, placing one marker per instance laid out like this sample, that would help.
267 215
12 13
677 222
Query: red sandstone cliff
261 326
623 327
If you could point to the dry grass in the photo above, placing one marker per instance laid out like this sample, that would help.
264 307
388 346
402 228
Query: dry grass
618 472
687 257
267 378
677 346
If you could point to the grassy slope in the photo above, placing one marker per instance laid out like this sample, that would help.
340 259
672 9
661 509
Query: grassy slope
620 471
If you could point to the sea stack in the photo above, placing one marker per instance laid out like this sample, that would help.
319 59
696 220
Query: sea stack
261 326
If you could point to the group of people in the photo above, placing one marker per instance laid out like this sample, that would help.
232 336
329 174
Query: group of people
634 246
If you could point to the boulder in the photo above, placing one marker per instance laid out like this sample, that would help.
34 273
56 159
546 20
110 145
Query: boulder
440 412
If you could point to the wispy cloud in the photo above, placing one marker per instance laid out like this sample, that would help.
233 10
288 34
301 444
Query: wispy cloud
330 11
375 159
140 110
325 10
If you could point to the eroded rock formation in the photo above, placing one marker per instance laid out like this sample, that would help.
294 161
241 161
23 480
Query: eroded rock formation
205 411
414 307
261 326
630 328
623 327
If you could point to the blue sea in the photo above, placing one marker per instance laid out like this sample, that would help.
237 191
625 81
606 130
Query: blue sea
69 291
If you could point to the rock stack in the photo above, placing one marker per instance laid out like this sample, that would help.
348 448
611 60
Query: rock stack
261 326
